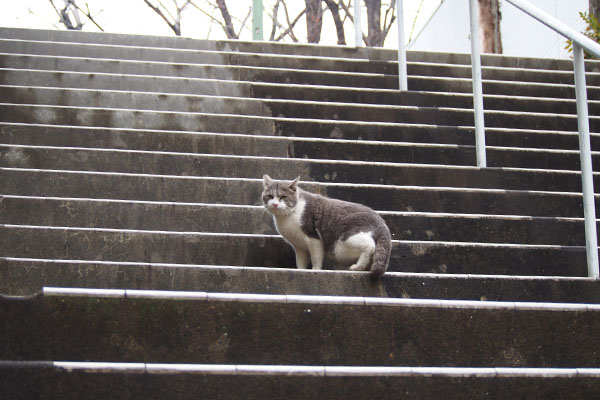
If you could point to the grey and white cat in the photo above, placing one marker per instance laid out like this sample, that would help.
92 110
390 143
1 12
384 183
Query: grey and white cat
342 233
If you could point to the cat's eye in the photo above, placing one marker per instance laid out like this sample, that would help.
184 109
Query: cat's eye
283 198
268 197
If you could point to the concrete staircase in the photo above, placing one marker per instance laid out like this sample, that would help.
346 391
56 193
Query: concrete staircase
137 262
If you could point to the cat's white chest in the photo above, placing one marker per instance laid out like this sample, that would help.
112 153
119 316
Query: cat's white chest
290 226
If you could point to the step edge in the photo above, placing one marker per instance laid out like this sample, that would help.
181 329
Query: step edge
386 164
324 184
361 301
428 214
391 274
423 243
306 370
268 102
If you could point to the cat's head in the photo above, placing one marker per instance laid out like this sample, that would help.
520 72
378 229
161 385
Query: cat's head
279 197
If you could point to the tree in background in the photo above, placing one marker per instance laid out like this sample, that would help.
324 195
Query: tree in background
376 33
592 29
594 8
380 17
172 19
278 26
314 20
489 26
334 8
69 15
284 25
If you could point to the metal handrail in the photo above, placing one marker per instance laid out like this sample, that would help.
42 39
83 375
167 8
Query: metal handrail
580 42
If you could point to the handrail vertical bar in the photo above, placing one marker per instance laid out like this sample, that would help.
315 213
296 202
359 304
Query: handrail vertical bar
589 206
477 86
402 74
357 24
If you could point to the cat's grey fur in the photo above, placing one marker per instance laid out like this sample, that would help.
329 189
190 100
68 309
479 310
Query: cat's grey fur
319 228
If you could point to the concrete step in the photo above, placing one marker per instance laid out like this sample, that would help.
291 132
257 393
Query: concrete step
371 53
218 328
348 60
198 122
213 87
191 105
374 144
245 191
63 243
188 56
302 156
492 85
198 217
321 170
26 276
227 166
60 380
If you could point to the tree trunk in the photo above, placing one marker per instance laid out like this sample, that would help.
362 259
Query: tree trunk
594 8
339 25
314 20
489 26
375 35
227 19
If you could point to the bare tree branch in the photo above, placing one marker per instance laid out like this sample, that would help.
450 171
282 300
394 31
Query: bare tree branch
56 26
65 19
274 19
211 16
88 14
388 24
346 8
174 22
412 29
71 9
229 31
157 10
348 13
339 24
227 23
243 25
291 24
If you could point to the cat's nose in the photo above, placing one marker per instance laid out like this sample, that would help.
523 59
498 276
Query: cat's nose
275 205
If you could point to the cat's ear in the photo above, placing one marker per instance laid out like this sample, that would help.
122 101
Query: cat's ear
294 185
267 181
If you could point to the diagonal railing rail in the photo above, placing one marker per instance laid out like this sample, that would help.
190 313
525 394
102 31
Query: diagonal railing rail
580 43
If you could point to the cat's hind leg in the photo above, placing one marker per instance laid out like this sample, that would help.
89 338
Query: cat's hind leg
358 248
363 261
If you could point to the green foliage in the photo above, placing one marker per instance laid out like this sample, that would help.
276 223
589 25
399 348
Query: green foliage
592 31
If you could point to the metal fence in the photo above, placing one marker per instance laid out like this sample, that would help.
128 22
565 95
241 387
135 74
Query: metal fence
580 43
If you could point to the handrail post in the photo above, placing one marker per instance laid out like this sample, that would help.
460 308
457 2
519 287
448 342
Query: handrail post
357 24
585 154
402 74
257 20
477 86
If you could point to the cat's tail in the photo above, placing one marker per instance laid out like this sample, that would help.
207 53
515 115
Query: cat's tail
381 257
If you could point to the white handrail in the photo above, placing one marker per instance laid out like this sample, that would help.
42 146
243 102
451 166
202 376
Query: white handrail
557 26
357 24
402 74
585 155
580 42
477 86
